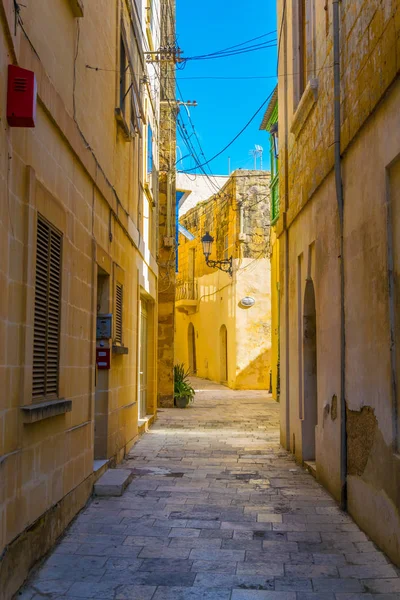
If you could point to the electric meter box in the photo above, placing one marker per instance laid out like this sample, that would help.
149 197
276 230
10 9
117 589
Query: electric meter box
104 327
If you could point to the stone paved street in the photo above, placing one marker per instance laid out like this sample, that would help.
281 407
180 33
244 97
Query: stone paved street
217 511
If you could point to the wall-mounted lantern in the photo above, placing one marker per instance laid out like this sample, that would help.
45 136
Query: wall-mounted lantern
274 133
225 265
247 302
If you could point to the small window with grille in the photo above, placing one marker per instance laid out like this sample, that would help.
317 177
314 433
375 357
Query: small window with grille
46 337
119 298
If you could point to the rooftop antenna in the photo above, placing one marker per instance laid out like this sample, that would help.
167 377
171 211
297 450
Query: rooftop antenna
260 151
256 153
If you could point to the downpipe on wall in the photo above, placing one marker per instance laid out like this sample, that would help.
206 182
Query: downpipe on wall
340 204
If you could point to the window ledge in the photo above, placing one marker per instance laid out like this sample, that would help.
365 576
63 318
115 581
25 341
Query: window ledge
119 115
307 101
77 7
44 410
120 349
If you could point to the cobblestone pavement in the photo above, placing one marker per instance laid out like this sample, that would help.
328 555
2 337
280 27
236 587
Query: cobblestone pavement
217 511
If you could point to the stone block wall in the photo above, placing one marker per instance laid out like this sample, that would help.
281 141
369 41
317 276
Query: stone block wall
309 251
75 169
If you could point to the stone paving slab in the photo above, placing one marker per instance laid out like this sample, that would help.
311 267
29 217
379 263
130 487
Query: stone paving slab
216 510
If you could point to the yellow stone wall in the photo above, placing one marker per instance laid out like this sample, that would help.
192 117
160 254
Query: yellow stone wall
81 170
217 301
308 233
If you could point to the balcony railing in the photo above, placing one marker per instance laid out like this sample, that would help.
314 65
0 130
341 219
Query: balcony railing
186 290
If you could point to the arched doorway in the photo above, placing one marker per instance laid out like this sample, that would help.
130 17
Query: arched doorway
192 349
223 345
309 372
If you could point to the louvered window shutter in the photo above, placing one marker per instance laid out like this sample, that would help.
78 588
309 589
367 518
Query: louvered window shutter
46 341
119 292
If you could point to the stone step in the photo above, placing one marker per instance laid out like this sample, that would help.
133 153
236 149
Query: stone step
311 467
113 482
145 423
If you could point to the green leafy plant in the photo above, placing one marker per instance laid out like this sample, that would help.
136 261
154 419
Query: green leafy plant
182 387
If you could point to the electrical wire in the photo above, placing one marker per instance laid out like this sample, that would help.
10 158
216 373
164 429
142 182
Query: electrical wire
235 47
271 44
238 134
215 186
247 42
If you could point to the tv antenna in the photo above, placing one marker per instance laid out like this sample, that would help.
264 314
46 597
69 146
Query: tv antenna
256 153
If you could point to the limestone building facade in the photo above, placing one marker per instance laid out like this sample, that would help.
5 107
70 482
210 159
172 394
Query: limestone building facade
339 150
221 317
78 268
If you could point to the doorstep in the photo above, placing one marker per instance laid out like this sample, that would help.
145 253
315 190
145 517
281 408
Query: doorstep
99 468
311 467
113 482
145 423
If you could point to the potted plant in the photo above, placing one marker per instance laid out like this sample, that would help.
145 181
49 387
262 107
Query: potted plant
183 391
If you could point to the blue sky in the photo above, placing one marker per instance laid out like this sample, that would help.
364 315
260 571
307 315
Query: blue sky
224 106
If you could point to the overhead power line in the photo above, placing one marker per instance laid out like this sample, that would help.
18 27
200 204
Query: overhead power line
242 44
230 48
236 136
247 77
255 48
215 186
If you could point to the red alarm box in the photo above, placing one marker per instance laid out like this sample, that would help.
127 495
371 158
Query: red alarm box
103 358
21 97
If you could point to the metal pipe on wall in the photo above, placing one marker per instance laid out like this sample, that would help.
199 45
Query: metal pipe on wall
285 311
340 204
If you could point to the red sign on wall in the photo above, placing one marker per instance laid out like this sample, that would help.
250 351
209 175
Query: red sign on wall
103 358
21 97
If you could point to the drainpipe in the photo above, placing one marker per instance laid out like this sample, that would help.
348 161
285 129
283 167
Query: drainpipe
286 239
340 204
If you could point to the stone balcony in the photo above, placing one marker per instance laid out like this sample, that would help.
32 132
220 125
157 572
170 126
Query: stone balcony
186 299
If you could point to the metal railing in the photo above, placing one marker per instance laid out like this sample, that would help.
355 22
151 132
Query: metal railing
186 290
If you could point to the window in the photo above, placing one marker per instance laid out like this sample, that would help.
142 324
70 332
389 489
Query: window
46 336
209 220
302 36
226 247
119 297
123 66
192 264
135 113
149 149
272 126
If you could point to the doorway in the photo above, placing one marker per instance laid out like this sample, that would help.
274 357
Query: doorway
143 359
192 349
310 419
223 345
191 272
102 376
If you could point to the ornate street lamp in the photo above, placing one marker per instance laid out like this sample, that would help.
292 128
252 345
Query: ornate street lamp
225 265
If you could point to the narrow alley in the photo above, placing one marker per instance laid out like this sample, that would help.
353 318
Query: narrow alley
216 511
